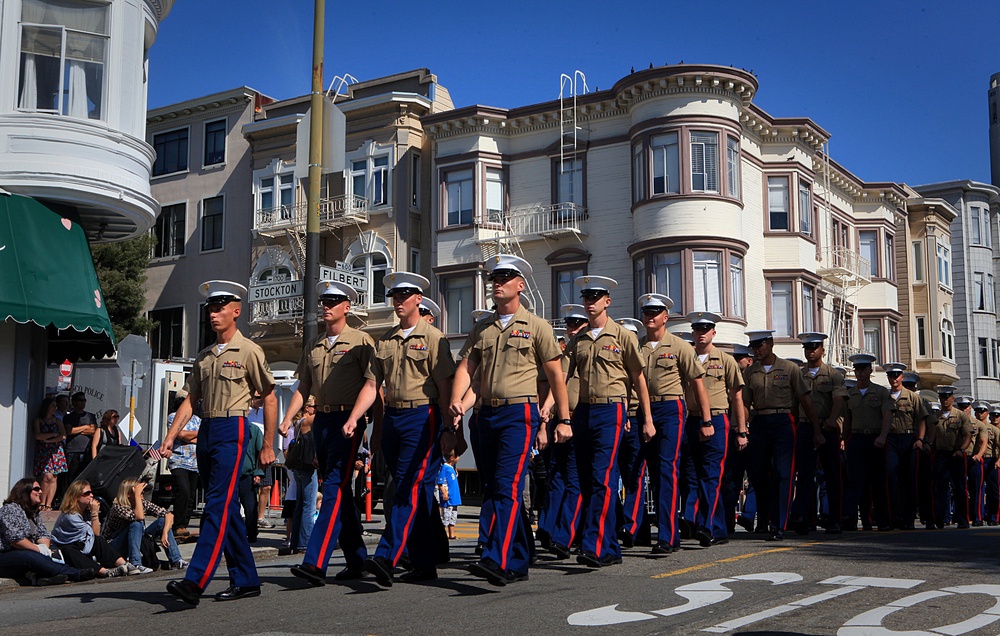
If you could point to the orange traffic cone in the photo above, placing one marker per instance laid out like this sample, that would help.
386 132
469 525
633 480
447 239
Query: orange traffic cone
275 503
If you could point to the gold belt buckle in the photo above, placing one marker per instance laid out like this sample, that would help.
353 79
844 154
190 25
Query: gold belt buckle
495 402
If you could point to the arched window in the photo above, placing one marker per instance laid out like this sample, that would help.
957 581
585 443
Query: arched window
369 256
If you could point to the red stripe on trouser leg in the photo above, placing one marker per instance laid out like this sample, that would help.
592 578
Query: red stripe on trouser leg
220 539
722 468
576 519
672 513
348 470
640 492
512 522
417 485
607 478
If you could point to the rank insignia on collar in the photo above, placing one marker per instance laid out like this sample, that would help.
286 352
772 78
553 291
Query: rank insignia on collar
232 364
418 347
520 333
611 348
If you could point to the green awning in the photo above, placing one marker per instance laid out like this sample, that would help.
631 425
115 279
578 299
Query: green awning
49 279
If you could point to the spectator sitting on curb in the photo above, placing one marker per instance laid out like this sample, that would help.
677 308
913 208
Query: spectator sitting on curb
126 523
77 533
25 543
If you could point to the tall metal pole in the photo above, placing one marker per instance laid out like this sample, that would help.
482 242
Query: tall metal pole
310 316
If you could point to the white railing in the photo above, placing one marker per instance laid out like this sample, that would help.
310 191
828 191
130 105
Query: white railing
276 310
842 262
532 221
333 212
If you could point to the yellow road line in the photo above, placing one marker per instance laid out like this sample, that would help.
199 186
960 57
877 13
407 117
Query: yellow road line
740 557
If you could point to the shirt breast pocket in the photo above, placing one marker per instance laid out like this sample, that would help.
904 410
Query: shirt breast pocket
518 348
610 357
666 362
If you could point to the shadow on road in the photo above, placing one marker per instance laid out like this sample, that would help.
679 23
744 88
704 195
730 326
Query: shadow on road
162 599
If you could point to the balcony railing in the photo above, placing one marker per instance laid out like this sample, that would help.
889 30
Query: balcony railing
533 222
334 212
263 312
843 266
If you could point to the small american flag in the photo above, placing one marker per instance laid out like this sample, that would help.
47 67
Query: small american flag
154 451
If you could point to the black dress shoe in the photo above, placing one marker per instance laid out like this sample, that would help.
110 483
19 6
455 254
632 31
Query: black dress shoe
720 541
662 549
745 522
559 550
350 574
381 568
405 563
490 571
234 592
777 535
589 559
704 538
480 548
310 574
626 538
187 591
419 576
610 559
686 529
544 539
513 577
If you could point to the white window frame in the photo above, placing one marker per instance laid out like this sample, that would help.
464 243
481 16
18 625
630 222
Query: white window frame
495 195
662 284
985 356
665 149
975 226
944 265
282 182
734 165
922 336
704 160
808 307
947 339
978 291
736 283
462 314
788 298
368 155
805 208
871 334
777 188
875 266
707 278
918 261
359 259
463 186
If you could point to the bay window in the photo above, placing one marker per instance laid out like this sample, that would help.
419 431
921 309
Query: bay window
777 204
782 312
458 197
666 166
707 282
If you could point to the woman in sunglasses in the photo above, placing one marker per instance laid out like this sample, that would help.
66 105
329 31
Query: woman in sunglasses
24 541
77 533
107 435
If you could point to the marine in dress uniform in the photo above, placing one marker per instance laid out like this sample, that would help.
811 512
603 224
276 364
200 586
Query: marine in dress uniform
671 365
724 388
992 473
566 504
337 374
737 462
604 355
828 393
508 349
224 376
975 455
923 458
414 362
471 402
631 464
903 445
952 436
774 387
867 422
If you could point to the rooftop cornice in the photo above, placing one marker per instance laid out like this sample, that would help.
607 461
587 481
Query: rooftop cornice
161 8
214 101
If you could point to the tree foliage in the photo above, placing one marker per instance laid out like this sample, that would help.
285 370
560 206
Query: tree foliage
121 270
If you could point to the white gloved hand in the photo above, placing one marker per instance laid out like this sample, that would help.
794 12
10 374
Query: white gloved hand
44 549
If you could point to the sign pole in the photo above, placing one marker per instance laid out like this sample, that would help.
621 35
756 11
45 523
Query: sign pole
310 315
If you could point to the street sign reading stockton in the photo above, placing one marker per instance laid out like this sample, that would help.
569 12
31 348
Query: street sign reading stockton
273 291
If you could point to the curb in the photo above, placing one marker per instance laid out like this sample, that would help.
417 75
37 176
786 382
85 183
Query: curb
8 585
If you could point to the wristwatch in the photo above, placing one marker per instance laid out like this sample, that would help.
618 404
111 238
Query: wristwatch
707 424
567 422
741 435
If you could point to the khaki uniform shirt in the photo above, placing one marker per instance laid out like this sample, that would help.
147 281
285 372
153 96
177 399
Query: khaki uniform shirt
572 384
336 373
992 441
603 365
866 410
722 375
510 358
950 430
778 388
412 366
910 409
224 381
670 366
978 436
827 384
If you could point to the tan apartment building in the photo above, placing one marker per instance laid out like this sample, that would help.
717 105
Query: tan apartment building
671 181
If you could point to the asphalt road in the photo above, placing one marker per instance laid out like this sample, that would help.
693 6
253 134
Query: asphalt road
917 582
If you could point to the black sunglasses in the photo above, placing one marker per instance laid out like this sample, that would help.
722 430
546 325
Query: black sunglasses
811 346
702 327
332 302
758 343
652 311
86 493
592 295
893 374
36 489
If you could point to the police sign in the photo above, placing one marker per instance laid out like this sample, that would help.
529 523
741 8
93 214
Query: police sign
273 291
343 274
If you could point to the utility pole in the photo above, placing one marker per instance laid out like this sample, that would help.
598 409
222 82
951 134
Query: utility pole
310 316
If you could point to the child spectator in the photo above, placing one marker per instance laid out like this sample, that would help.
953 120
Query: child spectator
450 497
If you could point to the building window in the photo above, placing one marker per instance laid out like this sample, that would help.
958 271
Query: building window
991 302
170 231
171 152
944 264
704 161
380 180
777 204
570 186
277 194
374 266
979 291
414 260
872 338
996 357
215 142
734 165
666 164
975 229
458 197
565 291
459 296
987 228
805 208
371 176
494 195
890 257
64 46
947 340
415 182
206 335
984 357
921 336
918 261
213 212
668 275
893 341
707 281
736 280
166 338
808 308
868 247
638 173
782 314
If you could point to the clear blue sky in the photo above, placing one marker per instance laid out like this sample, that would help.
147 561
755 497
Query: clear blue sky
900 85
